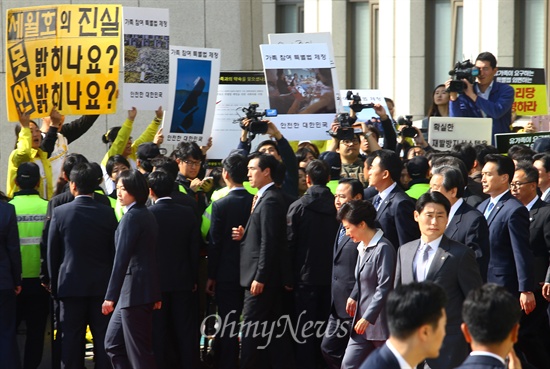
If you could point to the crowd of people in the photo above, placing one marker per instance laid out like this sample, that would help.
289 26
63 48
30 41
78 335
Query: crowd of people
375 253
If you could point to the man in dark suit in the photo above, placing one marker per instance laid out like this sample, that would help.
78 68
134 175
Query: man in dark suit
263 258
510 260
465 225
542 163
224 257
491 323
344 260
534 332
450 264
394 208
80 258
311 226
416 320
10 284
175 326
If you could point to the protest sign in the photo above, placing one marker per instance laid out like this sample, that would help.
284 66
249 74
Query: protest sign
192 94
146 58
445 132
530 89
506 140
62 55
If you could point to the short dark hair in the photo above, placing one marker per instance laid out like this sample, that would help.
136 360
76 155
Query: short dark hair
28 175
161 183
187 150
504 164
318 171
452 161
490 312
466 153
488 57
98 172
166 165
116 159
482 150
390 161
357 211
84 177
413 305
71 160
235 166
266 161
268 143
545 159
301 154
135 184
452 178
432 198
531 173
355 185
521 153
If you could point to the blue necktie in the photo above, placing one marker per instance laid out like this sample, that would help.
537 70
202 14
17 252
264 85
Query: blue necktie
341 235
377 201
488 210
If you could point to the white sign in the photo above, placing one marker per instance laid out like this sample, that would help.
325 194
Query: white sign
146 58
300 86
445 132
236 91
193 85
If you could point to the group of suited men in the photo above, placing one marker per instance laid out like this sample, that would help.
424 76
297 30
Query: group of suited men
270 257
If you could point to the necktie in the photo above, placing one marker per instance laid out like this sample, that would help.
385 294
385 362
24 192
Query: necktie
253 203
377 201
421 266
488 210
341 234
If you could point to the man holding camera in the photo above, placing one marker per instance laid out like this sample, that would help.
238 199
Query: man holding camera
485 98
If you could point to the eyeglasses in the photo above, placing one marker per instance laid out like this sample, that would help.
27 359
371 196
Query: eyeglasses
192 163
350 142
519 184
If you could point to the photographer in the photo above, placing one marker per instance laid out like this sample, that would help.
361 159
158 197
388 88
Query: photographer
279 148
484 98
390 136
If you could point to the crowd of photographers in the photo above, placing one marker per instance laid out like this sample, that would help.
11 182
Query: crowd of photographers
279 245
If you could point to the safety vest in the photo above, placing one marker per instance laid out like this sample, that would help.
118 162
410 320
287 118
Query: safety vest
31 214
117 208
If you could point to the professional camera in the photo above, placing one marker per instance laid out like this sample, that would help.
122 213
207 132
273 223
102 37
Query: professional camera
345 131
256 125
463 70
356 106
409 130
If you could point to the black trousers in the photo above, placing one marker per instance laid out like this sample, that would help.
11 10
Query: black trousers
9 355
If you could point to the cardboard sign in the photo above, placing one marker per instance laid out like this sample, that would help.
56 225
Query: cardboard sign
445 132
146 58
193 84
506 140
530 88
62 55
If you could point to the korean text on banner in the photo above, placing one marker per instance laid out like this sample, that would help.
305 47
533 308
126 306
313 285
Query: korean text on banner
529 87
66 55
445 132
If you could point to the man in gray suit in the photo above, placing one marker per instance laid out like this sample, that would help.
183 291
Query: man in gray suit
448 263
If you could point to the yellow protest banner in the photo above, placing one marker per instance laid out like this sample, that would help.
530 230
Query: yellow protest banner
65 56
530 89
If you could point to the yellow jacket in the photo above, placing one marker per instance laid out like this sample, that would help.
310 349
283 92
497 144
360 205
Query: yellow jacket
117 148
23 154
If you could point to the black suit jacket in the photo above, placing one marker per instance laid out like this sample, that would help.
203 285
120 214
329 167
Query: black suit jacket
395 216
511 260
381 358
481 362
343 274
454 268
135 279
539 239
224 253
264 250
10 253
81 248
178 245
469 227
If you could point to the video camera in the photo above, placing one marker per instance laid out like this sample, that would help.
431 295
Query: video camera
345 131
409 130
356 106
463 70
256 125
